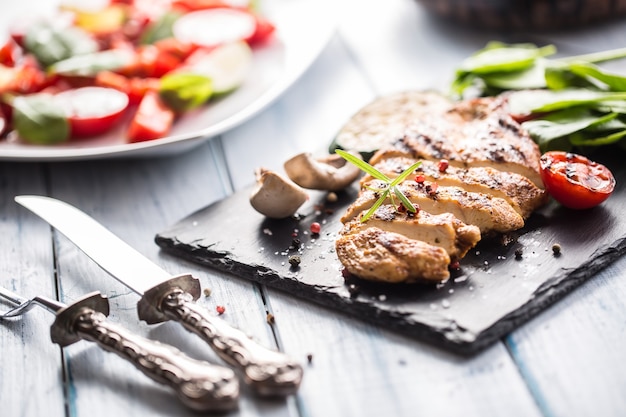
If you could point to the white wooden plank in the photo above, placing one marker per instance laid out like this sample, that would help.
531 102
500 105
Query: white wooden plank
573 354
137 199
31 383
361 370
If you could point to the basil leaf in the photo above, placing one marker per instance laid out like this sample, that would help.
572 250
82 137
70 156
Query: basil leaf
184 91
88 65
51 44
160 28
38 119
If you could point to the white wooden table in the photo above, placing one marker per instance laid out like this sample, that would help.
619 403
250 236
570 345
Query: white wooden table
568 361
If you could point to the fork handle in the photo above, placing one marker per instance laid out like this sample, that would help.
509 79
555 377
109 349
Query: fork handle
200 385
267 372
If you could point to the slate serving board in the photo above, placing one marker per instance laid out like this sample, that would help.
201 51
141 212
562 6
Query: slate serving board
498 286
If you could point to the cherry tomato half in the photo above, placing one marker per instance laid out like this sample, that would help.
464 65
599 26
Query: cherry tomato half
574 180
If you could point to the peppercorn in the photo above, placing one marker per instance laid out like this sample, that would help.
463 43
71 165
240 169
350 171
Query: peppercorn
315 228
295 260
443 165
556 249
220 310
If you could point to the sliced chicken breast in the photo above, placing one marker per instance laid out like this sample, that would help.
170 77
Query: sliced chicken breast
521 193
488 213
475 134
443 230
377 255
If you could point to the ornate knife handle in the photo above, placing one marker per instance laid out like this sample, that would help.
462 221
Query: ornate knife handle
267 372
200 385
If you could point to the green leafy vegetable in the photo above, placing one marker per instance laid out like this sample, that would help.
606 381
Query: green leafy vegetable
389 189
160 28
184 91
51 44
38 119
563 102
90 64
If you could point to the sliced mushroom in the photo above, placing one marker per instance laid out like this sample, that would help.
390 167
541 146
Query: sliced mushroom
330 173
275 196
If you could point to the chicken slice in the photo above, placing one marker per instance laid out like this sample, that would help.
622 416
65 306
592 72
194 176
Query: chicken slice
521 193
377 255
474 133
488 213
443 230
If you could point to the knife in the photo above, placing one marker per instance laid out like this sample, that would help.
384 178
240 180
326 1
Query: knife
166 297
200 385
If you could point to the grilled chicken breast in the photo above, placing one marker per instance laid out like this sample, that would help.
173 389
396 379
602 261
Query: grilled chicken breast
521 193
378 255
489 214
489 183
476 134
443 230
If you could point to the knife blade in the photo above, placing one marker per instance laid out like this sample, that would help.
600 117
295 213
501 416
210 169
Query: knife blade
199 385
166 297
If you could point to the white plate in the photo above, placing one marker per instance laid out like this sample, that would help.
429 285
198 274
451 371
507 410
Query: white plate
304 27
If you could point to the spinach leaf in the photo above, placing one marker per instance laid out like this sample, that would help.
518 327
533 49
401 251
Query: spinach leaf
185 91
563 124
38 119
614 82
499 57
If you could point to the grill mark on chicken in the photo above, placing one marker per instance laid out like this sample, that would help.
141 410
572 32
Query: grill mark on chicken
470 139
378 255
442 230
522 194
489 214
491 185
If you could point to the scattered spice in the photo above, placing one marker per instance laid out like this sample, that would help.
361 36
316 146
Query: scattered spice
331 197
270 318
294 260
518 253
455 265
443 165
556 249
420 179
431 188
315 228
309 357
220 310
353 290
207 292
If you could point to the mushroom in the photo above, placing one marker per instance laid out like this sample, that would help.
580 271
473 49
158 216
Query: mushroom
275 196
330 173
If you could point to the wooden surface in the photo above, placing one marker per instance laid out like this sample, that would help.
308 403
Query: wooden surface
568 361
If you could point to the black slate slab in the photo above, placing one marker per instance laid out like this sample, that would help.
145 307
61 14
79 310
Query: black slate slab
493 291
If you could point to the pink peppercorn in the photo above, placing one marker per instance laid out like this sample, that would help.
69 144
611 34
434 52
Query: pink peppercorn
315 228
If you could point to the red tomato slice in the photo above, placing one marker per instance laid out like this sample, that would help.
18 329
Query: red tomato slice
153 119
92 111
213 27
574 180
